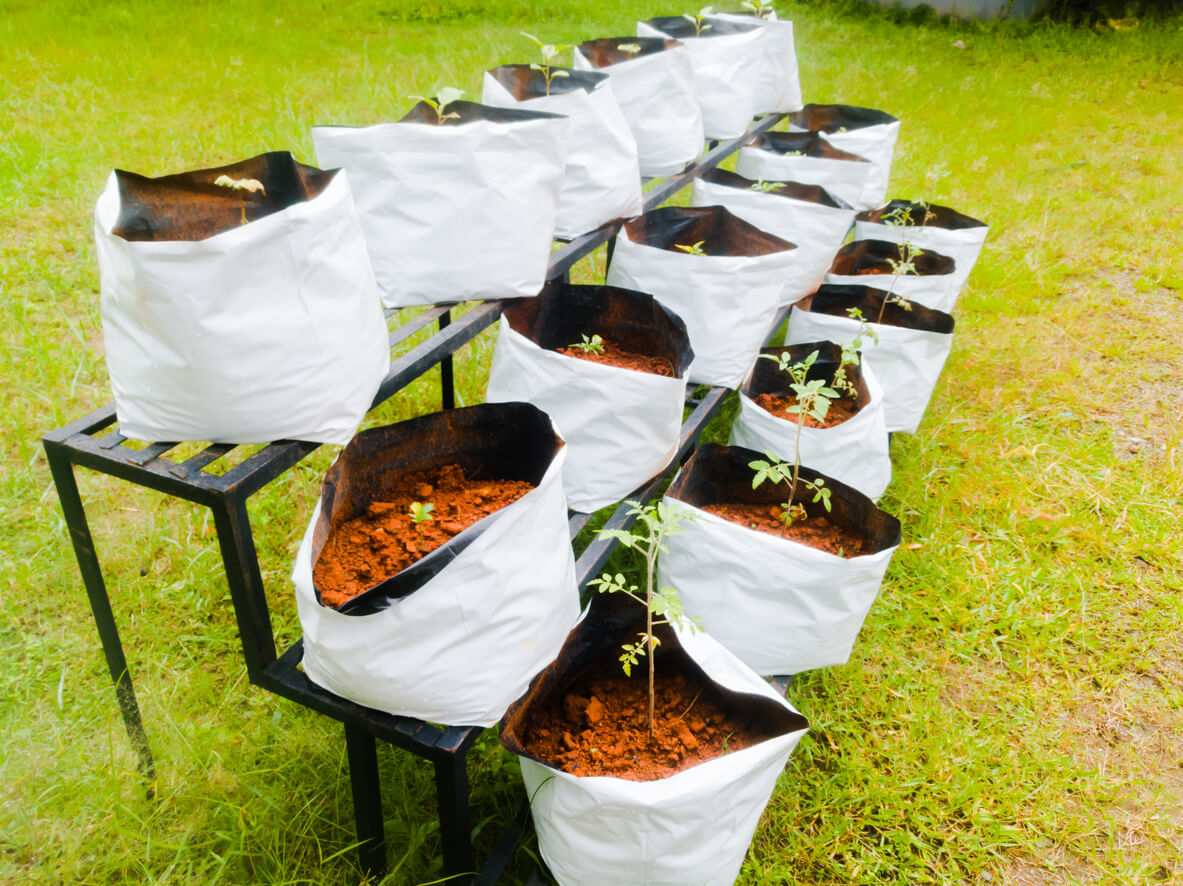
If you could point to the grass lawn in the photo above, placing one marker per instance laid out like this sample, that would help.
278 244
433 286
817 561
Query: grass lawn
1013 712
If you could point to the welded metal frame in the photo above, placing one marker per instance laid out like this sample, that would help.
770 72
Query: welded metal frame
93 442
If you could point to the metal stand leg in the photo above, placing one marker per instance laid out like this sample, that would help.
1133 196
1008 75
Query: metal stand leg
100 605
447 383
240 562
367 800
451 786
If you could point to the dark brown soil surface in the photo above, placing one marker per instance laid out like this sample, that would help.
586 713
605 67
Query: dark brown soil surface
817 532
383 541
614 355
840 410
601 726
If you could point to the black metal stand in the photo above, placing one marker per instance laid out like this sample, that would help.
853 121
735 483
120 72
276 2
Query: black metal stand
93 442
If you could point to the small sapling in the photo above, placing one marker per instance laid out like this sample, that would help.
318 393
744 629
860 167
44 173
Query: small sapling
420 513
550 51
699 21
251 185
693 249
759 8
439 104
631 48
765 187
655 523
593 345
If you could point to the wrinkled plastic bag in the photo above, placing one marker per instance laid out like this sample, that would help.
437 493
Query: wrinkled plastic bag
601 178
500 595
855 451
806 215
930 227
458 211
220 331
725 62
933 284
779 87
864 131
728 298
780 606
653 89
908 357
693 827
621 425
807 158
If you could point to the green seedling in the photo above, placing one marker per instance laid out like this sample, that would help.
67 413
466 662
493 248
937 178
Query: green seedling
550 51
699 21
851 353
439 104
655 523
759 8
420 513
593 345
764 187
905 264
251 185
695 249
630 48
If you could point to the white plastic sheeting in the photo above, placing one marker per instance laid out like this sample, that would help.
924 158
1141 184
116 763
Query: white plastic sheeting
906 361
816 229
844 175
875 141
654 93
779 87
690 829
467 643
933 285
454 212
725 70
268 331
621 425
601 178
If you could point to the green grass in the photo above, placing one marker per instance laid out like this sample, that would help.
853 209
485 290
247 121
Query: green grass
1013 712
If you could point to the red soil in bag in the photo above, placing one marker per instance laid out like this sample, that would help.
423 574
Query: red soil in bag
840 410
614 355
815 531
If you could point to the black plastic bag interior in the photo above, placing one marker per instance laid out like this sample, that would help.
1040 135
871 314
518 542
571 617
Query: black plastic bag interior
718 474
524 82
636 321
471 112
838 300
835 118
768 378
720 232
606 51
807 144
188 206
682 28
877 255
490 441
595 644
921 215
792 190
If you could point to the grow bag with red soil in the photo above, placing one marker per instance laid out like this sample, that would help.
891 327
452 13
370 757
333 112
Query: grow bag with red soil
621 420
653 88
629 827
807 215
486 183
238 315
852 446
929 227
725 60
501 592
601 176
907 356
864 131
782 604
728 297
778 86
807 158
869 263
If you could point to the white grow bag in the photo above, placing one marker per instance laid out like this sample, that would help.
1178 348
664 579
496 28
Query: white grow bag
933 229
863 131
621 425
780 606
653 89
465 644
807 158
725 62
728 302
485 186
805 215
601 179
934 284
692 828
907 360
779 87
855 451
265 331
